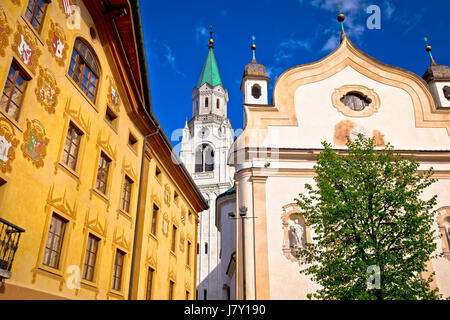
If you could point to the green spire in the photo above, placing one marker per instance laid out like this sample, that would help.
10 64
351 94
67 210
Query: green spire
210 71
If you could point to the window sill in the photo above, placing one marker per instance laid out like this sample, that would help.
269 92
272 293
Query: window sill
101 195
33 30
116 294
69 171
151 235
113 127
52 271
125 214
11 120
82 93
89 284
133 149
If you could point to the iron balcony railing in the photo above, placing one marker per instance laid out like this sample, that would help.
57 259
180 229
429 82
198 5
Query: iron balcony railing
9 242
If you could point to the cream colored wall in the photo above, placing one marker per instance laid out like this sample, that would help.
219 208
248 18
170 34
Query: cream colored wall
441 265
285 281
249 99
317 117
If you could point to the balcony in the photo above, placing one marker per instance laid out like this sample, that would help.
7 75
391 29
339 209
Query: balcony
9 242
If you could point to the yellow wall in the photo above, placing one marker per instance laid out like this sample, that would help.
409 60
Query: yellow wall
32 193
155 251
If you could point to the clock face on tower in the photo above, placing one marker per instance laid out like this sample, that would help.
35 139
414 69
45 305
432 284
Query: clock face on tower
204 133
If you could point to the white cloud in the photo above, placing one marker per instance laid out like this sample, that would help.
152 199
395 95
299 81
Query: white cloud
296 44
332 5
200 32
168 55
331 44
389 8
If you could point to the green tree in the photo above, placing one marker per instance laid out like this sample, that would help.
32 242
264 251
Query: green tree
366 211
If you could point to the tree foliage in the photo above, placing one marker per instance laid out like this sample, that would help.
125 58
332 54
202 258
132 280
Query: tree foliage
366 210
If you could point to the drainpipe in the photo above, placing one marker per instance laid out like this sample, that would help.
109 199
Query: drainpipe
141 178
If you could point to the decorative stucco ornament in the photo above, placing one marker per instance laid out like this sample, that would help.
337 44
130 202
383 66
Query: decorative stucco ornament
47 91
35 143
5 32
8 143
26 47
57 43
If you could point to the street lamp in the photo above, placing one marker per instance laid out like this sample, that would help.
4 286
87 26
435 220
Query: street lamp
243 215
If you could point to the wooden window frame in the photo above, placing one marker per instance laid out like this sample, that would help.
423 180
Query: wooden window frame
171 289
126 194
132 142
188 253
88 254
158 174
173 244
65 160
33 14
80 63
117 278
115 118
48 251
154 224
149 287
18 71
103 171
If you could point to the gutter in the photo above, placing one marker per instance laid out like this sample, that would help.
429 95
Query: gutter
137 20
141 178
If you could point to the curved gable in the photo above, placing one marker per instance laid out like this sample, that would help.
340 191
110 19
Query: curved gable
286 111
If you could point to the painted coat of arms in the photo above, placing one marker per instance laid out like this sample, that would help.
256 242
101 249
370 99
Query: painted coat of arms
5 31
35 143
25 45
182 240
8 143
46 91
56 43
113 94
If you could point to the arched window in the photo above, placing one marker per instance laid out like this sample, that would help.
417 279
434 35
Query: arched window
256 91
204 159
206 102
84 69
218 103
35 13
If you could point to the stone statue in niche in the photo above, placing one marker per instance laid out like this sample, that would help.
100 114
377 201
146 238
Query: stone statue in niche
447 92
296 232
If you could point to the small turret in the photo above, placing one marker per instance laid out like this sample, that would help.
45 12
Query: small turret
438 78
254 81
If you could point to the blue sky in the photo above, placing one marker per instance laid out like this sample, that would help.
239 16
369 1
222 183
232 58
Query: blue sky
288 33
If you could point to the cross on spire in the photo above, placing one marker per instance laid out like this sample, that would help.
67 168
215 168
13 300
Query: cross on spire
433 63
341 18
253 47
211 31
211 40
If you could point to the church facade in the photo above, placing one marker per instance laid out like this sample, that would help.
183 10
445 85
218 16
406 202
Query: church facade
206 141
344 94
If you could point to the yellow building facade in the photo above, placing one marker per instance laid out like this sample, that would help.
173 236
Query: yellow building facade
84 162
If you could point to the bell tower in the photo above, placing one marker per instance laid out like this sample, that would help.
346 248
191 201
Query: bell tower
438 78
207 139
254 81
